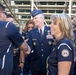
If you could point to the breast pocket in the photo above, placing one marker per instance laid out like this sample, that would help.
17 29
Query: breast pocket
34 42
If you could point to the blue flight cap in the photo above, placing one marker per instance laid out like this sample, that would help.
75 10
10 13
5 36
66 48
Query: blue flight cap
36 12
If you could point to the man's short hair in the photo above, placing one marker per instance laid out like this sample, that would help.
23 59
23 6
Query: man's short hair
2 8
9 16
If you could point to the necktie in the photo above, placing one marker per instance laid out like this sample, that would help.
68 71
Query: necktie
41 33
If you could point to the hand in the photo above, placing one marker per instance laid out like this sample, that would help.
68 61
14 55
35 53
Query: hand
21 65
24 47
29 50
26 40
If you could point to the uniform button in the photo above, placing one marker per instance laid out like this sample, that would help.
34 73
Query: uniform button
42 55
41 49
41 44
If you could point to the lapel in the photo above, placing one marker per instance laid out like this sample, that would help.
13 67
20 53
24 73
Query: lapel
38 34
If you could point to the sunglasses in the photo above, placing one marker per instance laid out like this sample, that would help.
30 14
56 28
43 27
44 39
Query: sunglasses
30 27
5 13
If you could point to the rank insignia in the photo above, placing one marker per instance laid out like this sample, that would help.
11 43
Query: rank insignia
65 53
49 36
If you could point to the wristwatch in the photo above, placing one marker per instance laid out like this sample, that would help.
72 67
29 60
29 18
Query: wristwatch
22 62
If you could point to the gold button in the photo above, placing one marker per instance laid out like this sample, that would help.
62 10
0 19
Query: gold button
41 44
42 55
41 49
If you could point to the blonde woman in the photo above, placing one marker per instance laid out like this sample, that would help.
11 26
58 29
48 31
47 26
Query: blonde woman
61 60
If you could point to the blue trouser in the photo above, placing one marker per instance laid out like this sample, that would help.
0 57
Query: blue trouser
8 65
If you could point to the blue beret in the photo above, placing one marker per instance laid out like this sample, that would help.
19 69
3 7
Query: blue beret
35 12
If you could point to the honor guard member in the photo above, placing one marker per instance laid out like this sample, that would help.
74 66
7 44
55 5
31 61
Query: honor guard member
61 59
40 42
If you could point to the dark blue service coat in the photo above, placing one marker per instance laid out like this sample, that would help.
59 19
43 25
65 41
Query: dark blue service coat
40 48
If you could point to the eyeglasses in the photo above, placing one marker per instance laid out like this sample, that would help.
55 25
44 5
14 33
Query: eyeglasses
30 27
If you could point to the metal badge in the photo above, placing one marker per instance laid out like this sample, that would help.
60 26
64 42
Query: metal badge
65 53
49 42
34 43
15 51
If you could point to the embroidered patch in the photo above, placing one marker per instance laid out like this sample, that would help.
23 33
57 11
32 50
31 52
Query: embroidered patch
49 42
65 53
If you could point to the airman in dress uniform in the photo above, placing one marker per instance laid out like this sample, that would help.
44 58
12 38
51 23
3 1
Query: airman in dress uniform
40 42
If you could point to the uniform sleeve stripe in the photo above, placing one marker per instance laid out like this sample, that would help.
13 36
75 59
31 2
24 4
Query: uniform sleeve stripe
7 24
64 44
